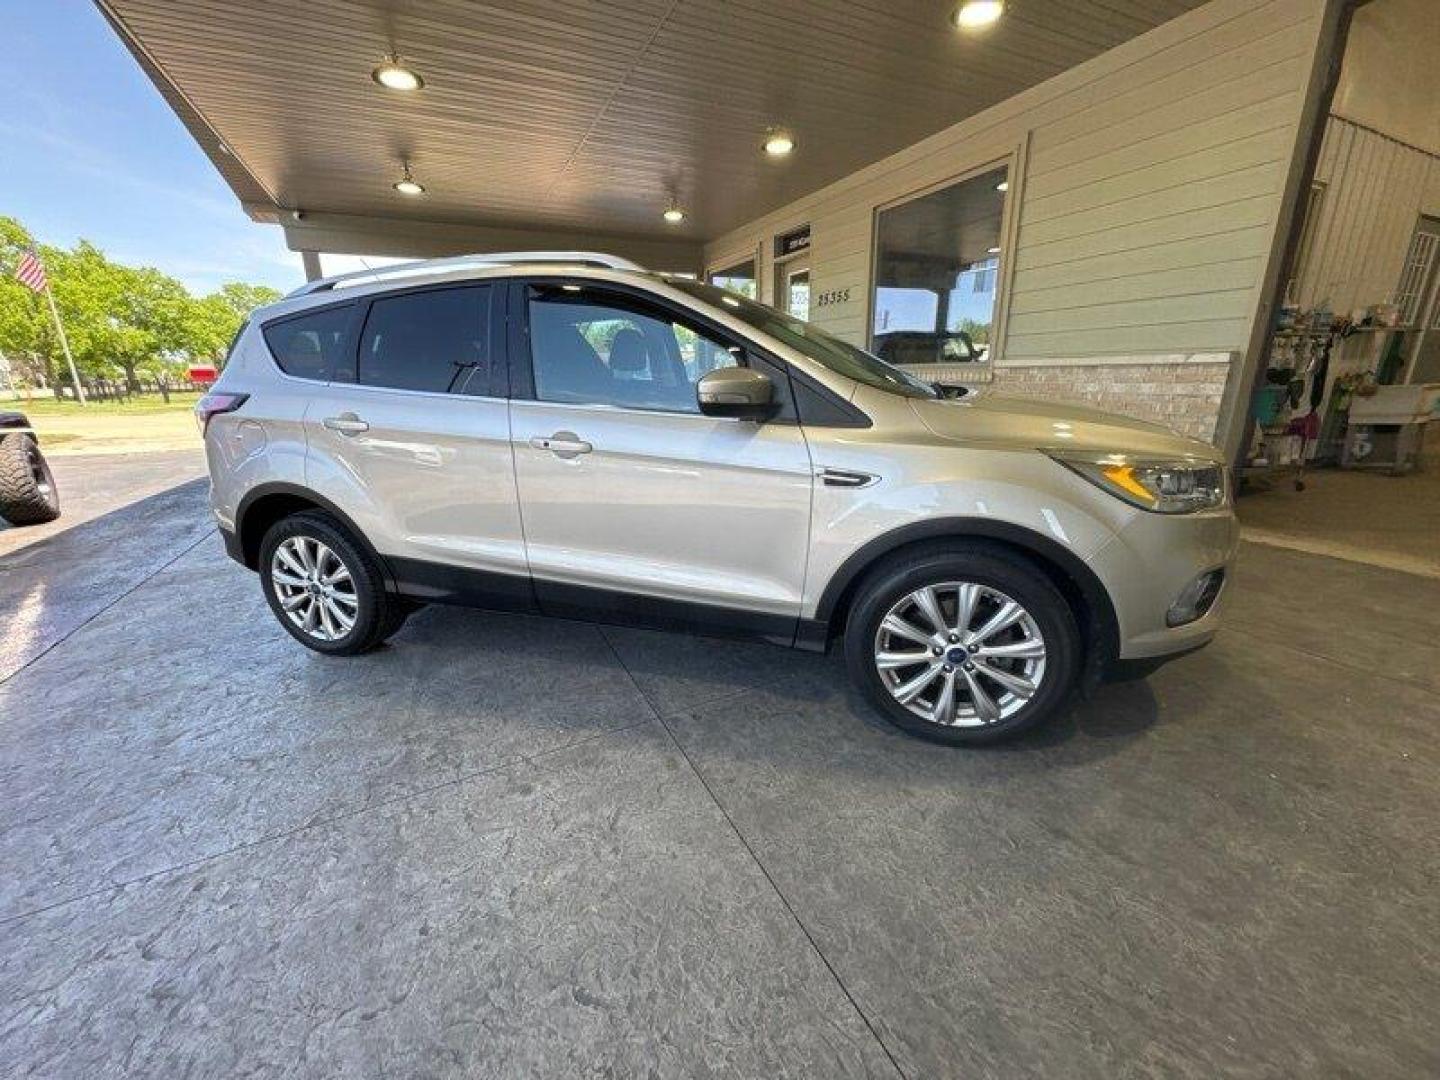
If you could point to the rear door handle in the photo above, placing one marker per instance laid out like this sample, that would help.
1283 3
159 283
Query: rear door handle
346 424
565 444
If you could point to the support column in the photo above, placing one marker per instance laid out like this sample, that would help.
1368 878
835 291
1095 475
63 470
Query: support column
311 259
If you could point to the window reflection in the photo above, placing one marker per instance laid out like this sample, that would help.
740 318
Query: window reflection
738 279
937 273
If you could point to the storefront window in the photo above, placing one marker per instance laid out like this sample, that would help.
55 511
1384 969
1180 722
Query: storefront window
738 279
937 273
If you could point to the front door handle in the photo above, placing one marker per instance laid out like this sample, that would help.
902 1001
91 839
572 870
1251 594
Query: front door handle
565 444
346 424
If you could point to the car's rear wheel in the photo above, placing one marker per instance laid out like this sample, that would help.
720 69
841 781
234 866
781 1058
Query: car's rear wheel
325 588
962 645
28 495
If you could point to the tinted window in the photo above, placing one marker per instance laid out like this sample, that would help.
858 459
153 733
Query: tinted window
598 349
437 340
308 346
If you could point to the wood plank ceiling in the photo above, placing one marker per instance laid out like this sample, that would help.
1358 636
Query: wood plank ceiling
587 114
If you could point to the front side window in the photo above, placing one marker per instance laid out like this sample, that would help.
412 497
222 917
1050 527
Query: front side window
436 340
593 348
937 261
308 346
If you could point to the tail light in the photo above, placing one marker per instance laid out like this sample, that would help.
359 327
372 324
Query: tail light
215 403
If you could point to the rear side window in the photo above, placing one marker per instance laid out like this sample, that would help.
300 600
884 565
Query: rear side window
437 340
308 346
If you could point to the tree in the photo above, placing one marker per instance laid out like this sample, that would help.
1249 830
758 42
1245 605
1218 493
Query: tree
243 299
121 320
221 313
25 334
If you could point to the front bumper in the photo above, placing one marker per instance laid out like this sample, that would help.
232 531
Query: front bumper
1149 562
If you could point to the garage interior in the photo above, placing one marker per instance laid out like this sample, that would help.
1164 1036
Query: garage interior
513 846
1337 458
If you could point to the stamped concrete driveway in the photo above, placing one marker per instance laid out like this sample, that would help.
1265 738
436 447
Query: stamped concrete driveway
508 846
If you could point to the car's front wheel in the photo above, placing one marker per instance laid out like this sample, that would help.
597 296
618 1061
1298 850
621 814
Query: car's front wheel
326 590
962 645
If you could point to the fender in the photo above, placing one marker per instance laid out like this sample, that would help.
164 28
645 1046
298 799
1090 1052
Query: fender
14 423
249 547
1048 552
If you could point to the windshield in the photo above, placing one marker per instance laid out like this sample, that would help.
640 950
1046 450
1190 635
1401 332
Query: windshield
825 349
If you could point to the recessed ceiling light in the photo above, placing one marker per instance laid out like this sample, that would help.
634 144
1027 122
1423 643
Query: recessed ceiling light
977 14
674 214
393 75
408 185
1003 185
778 143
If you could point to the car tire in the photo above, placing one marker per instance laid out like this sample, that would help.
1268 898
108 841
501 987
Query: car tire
28 495
989 673
306 554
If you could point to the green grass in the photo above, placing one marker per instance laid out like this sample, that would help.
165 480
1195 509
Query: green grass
137 406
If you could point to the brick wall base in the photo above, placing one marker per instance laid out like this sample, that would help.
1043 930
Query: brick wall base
1183 396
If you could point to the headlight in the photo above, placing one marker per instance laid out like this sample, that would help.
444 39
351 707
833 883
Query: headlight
1161 485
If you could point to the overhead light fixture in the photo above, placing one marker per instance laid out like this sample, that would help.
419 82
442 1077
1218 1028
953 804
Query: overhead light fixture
993 251
978 14
779 142
674 214
1003 185
393 75
407 184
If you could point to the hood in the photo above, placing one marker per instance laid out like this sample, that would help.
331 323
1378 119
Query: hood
1001 420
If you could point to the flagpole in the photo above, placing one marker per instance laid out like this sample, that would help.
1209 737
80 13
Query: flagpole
64 344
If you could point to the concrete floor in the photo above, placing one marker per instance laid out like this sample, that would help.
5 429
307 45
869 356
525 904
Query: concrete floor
1358 514
509 846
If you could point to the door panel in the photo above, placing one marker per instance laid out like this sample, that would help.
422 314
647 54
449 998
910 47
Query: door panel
430 476
423 466
681 507
624 486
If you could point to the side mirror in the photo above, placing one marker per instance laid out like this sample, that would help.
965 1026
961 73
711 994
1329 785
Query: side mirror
735 391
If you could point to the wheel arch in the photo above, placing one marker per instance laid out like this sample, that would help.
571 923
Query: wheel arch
268 503
1082 589
14 423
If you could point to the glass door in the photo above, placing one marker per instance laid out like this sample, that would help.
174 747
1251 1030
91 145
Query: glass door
1418 297
795 289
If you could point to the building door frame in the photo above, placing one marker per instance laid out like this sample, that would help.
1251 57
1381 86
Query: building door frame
1427 307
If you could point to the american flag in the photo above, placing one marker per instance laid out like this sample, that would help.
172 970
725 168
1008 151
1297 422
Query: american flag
31 272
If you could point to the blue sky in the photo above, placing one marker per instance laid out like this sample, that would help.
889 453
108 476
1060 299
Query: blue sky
89 149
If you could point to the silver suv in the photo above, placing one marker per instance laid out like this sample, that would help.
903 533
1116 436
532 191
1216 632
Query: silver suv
570 435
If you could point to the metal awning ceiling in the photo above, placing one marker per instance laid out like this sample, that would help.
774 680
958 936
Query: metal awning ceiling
586 115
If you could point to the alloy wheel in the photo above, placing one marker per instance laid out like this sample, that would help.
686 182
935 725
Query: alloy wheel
960 654
314 588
